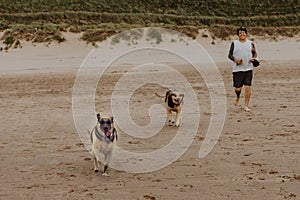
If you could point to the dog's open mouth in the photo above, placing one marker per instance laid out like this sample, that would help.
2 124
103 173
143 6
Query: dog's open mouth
176 102
107 132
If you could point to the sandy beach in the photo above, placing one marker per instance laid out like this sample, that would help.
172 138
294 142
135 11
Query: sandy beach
257 155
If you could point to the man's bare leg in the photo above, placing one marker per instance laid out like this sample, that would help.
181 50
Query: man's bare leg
247 97
238 93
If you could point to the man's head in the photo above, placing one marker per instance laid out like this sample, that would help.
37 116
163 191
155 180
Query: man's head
242 33
241 29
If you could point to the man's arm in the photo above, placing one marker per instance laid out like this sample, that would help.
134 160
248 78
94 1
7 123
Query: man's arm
253 50
230 54
231 57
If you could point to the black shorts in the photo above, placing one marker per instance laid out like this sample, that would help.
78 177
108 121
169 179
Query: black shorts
242 78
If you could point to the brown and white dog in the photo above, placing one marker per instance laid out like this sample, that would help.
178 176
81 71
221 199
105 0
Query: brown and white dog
174 103
104 138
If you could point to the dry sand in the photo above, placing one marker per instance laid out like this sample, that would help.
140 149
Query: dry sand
257 155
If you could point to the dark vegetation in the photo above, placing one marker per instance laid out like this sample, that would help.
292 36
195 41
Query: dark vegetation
45 20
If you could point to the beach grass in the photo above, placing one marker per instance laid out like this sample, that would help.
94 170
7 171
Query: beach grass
43 21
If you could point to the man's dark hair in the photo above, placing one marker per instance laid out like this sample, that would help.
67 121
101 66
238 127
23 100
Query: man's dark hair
241 29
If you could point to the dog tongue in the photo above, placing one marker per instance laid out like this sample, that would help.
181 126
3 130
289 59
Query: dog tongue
107 133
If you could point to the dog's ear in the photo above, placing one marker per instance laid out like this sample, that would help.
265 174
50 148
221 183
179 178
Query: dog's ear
98 116
167 95
112 119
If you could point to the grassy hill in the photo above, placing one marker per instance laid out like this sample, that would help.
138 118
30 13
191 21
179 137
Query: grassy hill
44 20
227 8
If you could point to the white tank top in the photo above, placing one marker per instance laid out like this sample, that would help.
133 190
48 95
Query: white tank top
242 51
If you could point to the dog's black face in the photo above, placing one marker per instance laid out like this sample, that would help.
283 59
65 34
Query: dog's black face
106 124
173 99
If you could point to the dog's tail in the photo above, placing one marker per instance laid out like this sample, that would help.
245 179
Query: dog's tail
160 96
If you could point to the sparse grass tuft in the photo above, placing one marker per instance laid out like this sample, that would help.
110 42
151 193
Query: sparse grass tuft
98 35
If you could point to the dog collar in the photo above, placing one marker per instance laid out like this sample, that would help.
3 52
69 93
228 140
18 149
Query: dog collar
101 137
106 138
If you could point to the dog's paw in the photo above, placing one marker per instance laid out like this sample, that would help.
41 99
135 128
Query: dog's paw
178 122
105 174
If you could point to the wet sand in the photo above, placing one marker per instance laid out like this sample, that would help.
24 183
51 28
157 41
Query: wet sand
42 157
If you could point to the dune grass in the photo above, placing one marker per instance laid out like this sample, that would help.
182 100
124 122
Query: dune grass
44 20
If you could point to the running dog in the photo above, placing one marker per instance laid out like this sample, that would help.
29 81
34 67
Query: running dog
174 103
104 138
